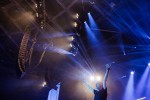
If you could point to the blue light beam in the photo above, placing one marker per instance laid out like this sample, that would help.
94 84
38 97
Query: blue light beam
90 34
148 86
142 83
129 92
92 22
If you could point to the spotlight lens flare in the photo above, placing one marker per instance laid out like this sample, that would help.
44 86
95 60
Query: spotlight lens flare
95 78
98 78
77 15
72 38
75 24
92 78
149 64
71 45
44 84
132 72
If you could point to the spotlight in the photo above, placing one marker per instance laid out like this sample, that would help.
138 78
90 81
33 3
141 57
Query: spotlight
149 64
132 72
92 78
44 84
72 38
41 27
76 15
75 24
36 5
71 45
98 78
37 15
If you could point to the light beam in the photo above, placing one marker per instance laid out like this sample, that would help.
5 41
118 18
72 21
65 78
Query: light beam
129 92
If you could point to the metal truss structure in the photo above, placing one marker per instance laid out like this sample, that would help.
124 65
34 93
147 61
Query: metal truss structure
42 18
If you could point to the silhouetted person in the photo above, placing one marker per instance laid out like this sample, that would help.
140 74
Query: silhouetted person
100 93
54 94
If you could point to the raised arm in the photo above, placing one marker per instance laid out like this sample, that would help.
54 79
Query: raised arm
106 75
58 89
89 87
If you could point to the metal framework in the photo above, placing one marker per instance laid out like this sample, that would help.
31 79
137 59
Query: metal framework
25 55
26 51
23 51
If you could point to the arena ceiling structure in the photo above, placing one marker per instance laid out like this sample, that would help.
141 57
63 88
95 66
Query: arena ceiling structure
43 42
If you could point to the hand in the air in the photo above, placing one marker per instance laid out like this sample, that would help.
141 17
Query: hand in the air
108 66
58 84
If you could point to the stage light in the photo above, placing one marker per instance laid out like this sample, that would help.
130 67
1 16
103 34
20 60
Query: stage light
132 72
75 24
143 81
44 84
36 5
92 22
129 90
98 78
149 64
72 38
71 45
90 34
92 78
37 15
76 15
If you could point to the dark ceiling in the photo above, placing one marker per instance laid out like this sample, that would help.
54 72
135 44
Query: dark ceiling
123 25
